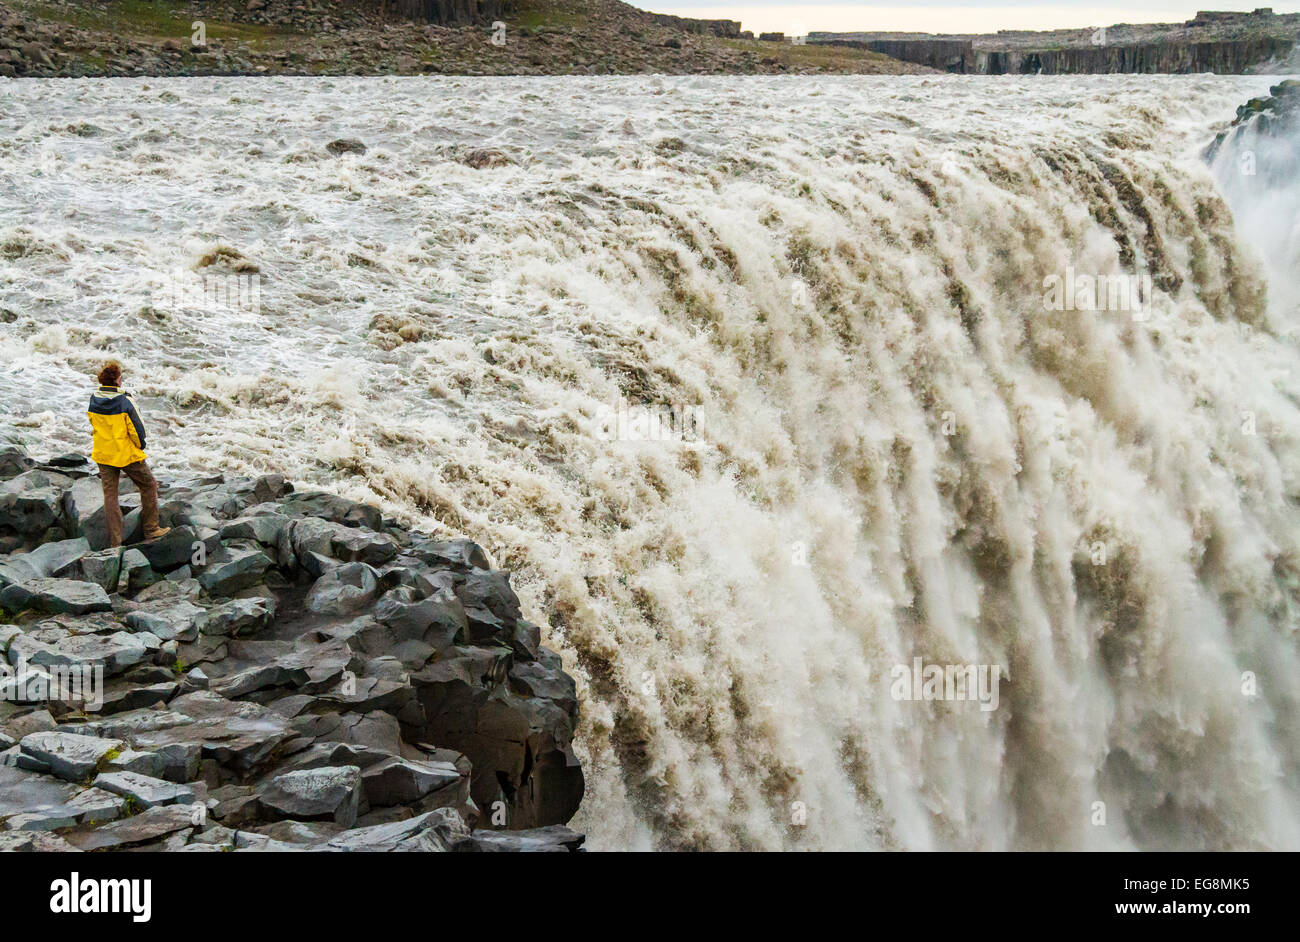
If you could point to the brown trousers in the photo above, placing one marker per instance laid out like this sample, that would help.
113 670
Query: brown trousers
143 479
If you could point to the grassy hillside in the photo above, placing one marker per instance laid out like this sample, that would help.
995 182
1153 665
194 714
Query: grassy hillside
154 37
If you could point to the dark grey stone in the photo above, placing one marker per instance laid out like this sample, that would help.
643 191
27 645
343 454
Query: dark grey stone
463 555
32 502
172 550
313 794
237 567
145 791
103 567
343 590
142 828
398 781
56 596
236 617
310 726
436 831
553 839
136 571
70 756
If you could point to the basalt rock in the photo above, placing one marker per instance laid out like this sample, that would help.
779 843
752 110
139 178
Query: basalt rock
1274 122
1227 43
30 503
56 596
288 671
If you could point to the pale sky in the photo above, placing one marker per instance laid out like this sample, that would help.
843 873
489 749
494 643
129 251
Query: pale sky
944 16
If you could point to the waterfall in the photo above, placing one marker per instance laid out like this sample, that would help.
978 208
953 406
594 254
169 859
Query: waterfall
759 387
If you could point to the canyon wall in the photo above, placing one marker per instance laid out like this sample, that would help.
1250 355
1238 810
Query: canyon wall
1225 57
452 12
727 29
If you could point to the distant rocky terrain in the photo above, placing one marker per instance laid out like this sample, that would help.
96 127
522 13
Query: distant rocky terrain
284 670
1225 43
46 38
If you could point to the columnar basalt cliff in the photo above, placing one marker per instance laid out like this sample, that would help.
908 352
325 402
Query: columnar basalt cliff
1225 57
1224 43
452 12
463 12
284 670
727 29
946 55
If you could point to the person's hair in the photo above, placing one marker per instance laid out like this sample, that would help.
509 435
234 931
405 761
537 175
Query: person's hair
110 374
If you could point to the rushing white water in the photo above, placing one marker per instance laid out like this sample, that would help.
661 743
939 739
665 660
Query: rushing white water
896 448
1257 171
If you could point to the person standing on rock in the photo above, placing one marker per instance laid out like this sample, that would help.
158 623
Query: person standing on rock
119 447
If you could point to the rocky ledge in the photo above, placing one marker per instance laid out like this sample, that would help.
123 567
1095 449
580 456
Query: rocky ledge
285 670
1278 114
1274 118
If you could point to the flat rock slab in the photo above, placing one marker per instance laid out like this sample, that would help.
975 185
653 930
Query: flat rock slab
440 830
120 697
334 508
50 559
39 842
553 839
169 619
56 596
139 829
70 756
114 653
130 760
261 528
145 790
398 781
34 802
313 794
241 741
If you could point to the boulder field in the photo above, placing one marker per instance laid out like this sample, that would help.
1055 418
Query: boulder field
284 670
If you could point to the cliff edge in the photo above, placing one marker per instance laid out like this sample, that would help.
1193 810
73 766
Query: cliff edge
284 670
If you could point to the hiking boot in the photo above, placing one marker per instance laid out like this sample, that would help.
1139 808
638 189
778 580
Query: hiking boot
157 534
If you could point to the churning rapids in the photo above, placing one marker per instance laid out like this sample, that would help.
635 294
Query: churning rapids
896 448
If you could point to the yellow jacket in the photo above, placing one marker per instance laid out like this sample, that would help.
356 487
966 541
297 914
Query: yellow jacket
118 431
